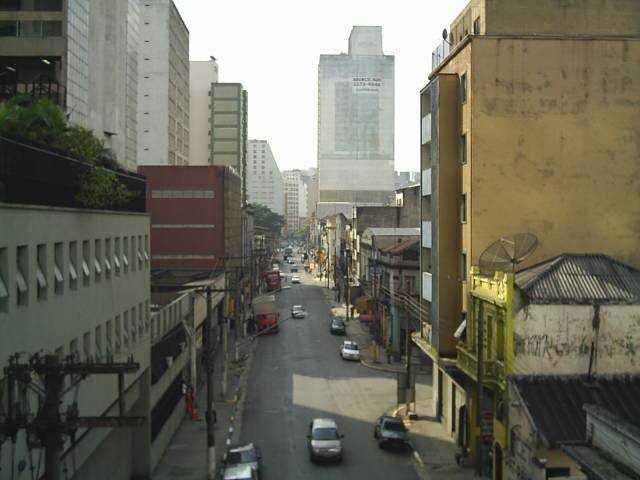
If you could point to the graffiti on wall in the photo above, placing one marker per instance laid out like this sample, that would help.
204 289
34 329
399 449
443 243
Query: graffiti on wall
558 336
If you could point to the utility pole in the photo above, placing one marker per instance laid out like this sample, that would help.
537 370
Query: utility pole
50 425
225 339
348 284
211 416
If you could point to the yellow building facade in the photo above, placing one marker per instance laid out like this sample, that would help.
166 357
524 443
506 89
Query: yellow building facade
530 123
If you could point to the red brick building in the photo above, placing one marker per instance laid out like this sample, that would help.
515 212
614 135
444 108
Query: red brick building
195 215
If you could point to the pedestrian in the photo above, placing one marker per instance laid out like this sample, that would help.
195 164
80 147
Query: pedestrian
389 352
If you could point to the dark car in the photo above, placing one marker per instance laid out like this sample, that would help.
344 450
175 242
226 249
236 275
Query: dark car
247 454
338 327
391 432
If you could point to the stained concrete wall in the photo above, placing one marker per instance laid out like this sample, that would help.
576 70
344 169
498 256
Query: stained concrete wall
555 145
557 339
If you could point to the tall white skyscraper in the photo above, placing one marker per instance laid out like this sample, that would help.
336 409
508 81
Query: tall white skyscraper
202 74
163 90
356 121
264 180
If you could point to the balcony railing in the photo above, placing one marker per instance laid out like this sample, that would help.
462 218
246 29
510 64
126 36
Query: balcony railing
493 370
439 54
41 89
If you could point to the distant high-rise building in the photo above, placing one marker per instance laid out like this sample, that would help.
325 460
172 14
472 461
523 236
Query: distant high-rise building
295 192
83 55
310 179
229 129
264 180
163 136
356 121
202 74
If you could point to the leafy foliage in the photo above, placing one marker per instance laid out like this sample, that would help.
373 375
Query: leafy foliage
42 121
263 216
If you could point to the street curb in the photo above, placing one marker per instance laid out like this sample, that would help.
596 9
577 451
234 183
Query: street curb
241 394
380 369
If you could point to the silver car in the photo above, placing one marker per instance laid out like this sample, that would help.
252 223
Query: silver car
297 311
349 350
324 441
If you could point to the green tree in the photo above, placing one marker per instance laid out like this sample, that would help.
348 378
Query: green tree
263 216
42 121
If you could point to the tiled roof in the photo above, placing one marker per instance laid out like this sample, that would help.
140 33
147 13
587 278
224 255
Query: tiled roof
402 246
581 279
556 402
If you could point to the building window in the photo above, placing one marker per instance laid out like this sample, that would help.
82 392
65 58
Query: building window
463 267
86 272
97 255
116 256
463 208
41 271
463 88
58 261
476 26
463 148
118 334
98 343
4 284
110 343
107 256
73 261
125 254
22 269
125 330
139 253
86 345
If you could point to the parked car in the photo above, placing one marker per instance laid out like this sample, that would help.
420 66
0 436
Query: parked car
247 454
239 472
349 350
297 311
338 327
294 269
323 441
295 279
391 432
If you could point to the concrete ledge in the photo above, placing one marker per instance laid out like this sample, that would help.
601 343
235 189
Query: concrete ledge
380 368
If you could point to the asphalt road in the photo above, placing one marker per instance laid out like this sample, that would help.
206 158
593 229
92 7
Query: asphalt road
298 375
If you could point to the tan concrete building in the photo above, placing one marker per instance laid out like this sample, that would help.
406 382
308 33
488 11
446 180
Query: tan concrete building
201 75
529 124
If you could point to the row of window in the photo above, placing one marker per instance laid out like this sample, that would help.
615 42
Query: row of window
114 337
30 28
80 262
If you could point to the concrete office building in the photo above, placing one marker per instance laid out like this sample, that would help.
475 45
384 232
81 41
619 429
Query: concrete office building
163 85
525 128
295 192
76 282
356 121
201 75
264 181
81 54
404 179
229 129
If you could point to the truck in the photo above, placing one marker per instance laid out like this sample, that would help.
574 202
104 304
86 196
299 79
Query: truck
265 313
272 280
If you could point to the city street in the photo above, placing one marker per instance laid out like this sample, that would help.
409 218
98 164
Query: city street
298 375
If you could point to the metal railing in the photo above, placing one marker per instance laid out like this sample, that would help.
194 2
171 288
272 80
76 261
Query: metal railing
493 370
40 89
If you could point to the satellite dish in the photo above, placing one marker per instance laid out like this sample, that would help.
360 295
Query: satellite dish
506 252
445 34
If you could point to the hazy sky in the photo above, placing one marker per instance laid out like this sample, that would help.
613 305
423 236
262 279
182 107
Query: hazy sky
272 47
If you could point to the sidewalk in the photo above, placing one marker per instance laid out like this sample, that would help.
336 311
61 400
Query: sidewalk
434 448
186 456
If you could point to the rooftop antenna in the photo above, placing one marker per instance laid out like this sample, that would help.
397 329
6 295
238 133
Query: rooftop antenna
506 252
